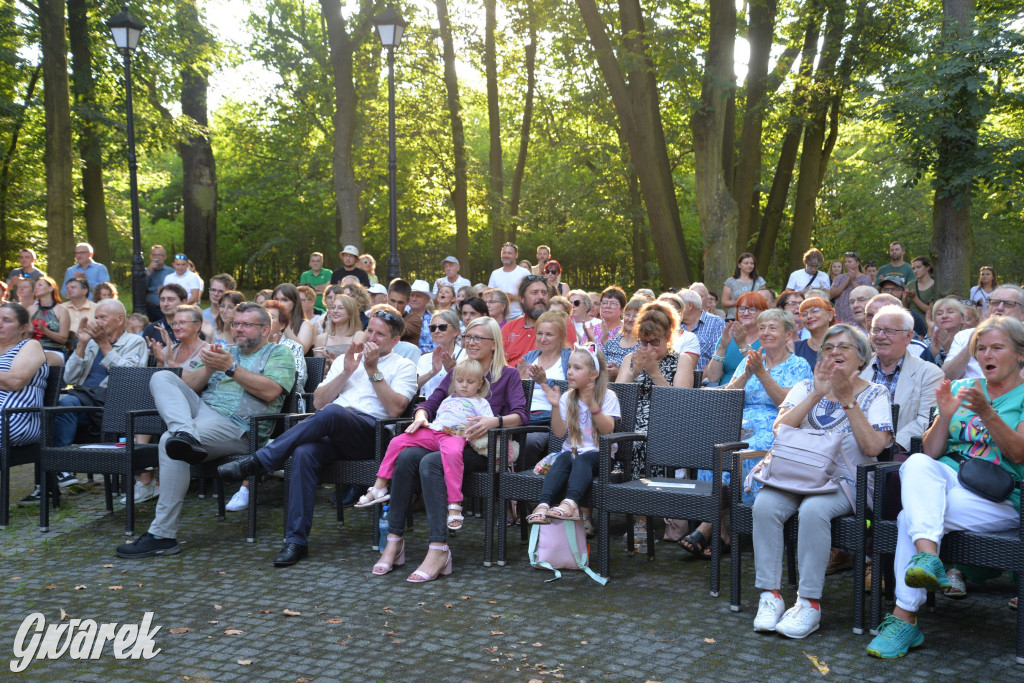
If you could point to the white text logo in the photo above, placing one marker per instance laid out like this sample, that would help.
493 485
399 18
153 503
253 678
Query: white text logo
81 639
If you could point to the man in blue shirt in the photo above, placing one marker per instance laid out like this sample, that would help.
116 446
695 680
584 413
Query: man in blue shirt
93 272
155 274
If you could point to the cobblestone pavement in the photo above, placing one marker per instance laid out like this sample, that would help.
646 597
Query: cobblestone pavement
654 621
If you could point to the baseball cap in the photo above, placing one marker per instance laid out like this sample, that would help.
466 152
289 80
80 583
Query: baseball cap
377 289
350 249
895 279
450 259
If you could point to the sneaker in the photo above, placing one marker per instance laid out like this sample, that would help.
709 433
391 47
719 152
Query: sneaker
895 638
143 492
32 498
148 545
769 611
800 620
65 479
239 501
926 571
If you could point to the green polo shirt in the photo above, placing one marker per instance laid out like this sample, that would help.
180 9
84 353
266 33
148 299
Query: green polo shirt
314 281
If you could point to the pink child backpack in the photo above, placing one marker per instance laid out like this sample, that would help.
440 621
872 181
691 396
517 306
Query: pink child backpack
561 545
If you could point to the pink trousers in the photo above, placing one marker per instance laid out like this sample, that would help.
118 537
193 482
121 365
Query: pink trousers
451 448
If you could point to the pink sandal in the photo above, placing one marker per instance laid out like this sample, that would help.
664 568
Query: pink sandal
567 511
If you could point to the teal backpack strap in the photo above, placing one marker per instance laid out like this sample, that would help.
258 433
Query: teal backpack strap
534 539
581 559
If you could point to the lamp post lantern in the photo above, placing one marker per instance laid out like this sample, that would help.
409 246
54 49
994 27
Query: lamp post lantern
390 27
126 30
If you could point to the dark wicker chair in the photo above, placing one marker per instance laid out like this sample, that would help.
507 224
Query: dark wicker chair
713 418
208 470
28 453
848 533
129 410
525 485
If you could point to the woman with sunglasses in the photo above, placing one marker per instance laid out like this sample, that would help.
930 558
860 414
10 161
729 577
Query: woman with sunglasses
433 367
368 265
654 362
852 276
186 278
553 271
581 308
418 470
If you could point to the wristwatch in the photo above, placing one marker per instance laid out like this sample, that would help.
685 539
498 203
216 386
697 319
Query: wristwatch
230 372
377 376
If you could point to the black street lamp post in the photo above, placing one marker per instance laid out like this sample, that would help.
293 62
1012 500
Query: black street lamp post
390 26
126 30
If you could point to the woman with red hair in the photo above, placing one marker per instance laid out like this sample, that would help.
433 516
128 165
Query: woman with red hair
738 337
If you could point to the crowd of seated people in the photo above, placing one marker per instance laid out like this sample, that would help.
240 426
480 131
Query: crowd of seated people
832 352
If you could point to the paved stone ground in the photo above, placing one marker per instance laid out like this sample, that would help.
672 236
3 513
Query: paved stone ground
654 621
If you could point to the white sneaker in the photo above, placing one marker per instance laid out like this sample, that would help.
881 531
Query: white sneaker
799 621
769 612
143 492
239 501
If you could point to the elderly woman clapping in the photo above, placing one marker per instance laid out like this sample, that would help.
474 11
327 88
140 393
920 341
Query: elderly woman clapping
837 401
979 419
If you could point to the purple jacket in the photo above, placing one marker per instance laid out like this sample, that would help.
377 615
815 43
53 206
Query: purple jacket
506 397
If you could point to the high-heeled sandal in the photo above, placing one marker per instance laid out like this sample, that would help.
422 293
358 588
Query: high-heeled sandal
455 518
539 515
372 497
382 568
567 511
420 576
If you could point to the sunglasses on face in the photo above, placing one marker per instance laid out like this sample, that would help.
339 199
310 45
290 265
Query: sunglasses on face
551 271
577 303
181 257
650 342
443 327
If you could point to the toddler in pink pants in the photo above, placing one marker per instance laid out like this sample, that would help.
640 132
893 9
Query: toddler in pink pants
445 434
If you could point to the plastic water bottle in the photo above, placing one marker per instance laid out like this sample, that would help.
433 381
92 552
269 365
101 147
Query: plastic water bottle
383 526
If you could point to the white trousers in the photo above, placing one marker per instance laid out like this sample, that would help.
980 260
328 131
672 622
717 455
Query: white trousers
935 503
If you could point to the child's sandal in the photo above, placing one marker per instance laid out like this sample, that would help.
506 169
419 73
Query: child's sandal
455 518
567 510
539 515
588 526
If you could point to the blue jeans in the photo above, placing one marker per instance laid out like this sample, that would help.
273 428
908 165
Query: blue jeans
66 424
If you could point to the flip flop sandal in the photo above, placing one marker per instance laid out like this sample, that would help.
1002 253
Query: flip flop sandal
957 586
455 518
694 543
539 515
567 511
588 526
726 548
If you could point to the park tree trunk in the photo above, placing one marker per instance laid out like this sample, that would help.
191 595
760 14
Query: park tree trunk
715 204
952 235
760 35
524 132
815 152
5 169
346 190
199 179
638 111
90 149
57 155
451 83
496 180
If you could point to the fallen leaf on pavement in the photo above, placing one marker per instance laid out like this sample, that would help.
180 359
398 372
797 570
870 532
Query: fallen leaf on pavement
51 587
709 640
80 587
583 642
497 633
538 644
448 605
114 588
245 662
213 622
181 629
463 597
217 607
264 611
335 620
108 566
291 613
232 632
63 614
820 666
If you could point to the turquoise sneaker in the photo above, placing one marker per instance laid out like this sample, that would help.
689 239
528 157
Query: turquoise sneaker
926 571
895 638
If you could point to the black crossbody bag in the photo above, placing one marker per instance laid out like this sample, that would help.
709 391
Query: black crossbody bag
984 478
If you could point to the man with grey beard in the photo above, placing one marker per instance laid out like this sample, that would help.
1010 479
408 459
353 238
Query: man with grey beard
518 335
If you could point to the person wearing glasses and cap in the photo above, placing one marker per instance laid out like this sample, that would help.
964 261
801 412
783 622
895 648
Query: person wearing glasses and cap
1007 300
189 281
93 273
451 276
207 413
508 277
350 259
366 384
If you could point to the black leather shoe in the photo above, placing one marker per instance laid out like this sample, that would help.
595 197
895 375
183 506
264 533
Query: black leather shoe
183 446
237 470
290 554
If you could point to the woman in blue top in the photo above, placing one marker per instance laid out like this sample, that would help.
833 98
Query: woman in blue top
737 338
978 418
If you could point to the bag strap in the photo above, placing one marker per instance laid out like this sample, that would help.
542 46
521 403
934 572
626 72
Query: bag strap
581 559
536 561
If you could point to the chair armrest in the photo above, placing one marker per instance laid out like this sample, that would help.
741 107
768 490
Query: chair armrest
50 414
296 418
254 424
880 469
605 444
134 415
736 470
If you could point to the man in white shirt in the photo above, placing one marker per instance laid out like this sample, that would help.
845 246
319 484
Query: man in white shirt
451 276
1005 300
368 384
810 276
507 278
189 281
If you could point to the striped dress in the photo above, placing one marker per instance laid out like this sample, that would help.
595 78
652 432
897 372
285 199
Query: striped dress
24 426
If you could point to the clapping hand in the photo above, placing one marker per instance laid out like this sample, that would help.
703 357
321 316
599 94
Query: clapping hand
755 364
552 394
973 398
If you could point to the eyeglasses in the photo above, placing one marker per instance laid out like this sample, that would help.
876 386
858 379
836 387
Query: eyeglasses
248 326
859 299
181 256
387 316
844 346
609 303
886 331
551 271
1003 302
576 302
474 339
178 323
336 309
809 311
747 309
650 342
442 327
